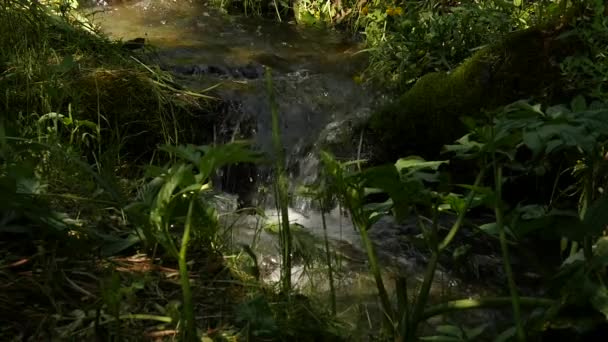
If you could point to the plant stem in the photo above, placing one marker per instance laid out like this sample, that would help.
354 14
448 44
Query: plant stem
585 202
469 304
189 333
521 336
402 308
432 265
423 295
375 269
281 188
330 273
469 200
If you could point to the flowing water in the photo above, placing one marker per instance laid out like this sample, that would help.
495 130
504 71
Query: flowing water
317 98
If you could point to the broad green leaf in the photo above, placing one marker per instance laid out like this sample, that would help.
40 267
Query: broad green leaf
461 251
490 229
596 219
455 202
558 112
506 335
418 163
555 223
533 140
578 104
386 178
473 333
152 171
532 211
186 152
599 300
466 148
450 330
114 245
219 156
164 196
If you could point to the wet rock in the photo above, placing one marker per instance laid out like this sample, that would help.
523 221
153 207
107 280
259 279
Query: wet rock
134 44
428 116
274 61
249 71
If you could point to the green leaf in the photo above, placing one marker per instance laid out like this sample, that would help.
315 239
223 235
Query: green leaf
450 330
578 104
596 219
556 223
219 156
534 142
506 335
176 176
461 251
599 300
417 163
257 314
51 116
472 334
387 179
114 245
186 152
490 229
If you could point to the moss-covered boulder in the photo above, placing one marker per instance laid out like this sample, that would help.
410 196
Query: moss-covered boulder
428 116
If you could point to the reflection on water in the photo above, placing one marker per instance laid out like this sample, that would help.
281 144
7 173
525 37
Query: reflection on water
204 35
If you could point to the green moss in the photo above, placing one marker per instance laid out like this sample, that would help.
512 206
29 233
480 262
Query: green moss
428 116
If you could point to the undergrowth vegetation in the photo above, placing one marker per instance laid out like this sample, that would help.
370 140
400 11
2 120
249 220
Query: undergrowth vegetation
111 227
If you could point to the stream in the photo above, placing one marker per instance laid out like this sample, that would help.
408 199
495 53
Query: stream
317 98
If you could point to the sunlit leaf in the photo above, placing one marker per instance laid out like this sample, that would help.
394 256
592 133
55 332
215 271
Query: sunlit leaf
417 163
450 330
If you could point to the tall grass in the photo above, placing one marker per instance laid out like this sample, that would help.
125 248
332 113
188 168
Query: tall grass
281 188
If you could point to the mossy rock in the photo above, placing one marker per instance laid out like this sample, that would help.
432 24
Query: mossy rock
428 116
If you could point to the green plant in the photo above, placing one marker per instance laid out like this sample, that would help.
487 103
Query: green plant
405 43
180 195
586 69
577 134
282 199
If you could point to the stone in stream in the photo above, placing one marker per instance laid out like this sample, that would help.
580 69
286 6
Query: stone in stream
134 44
249 71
